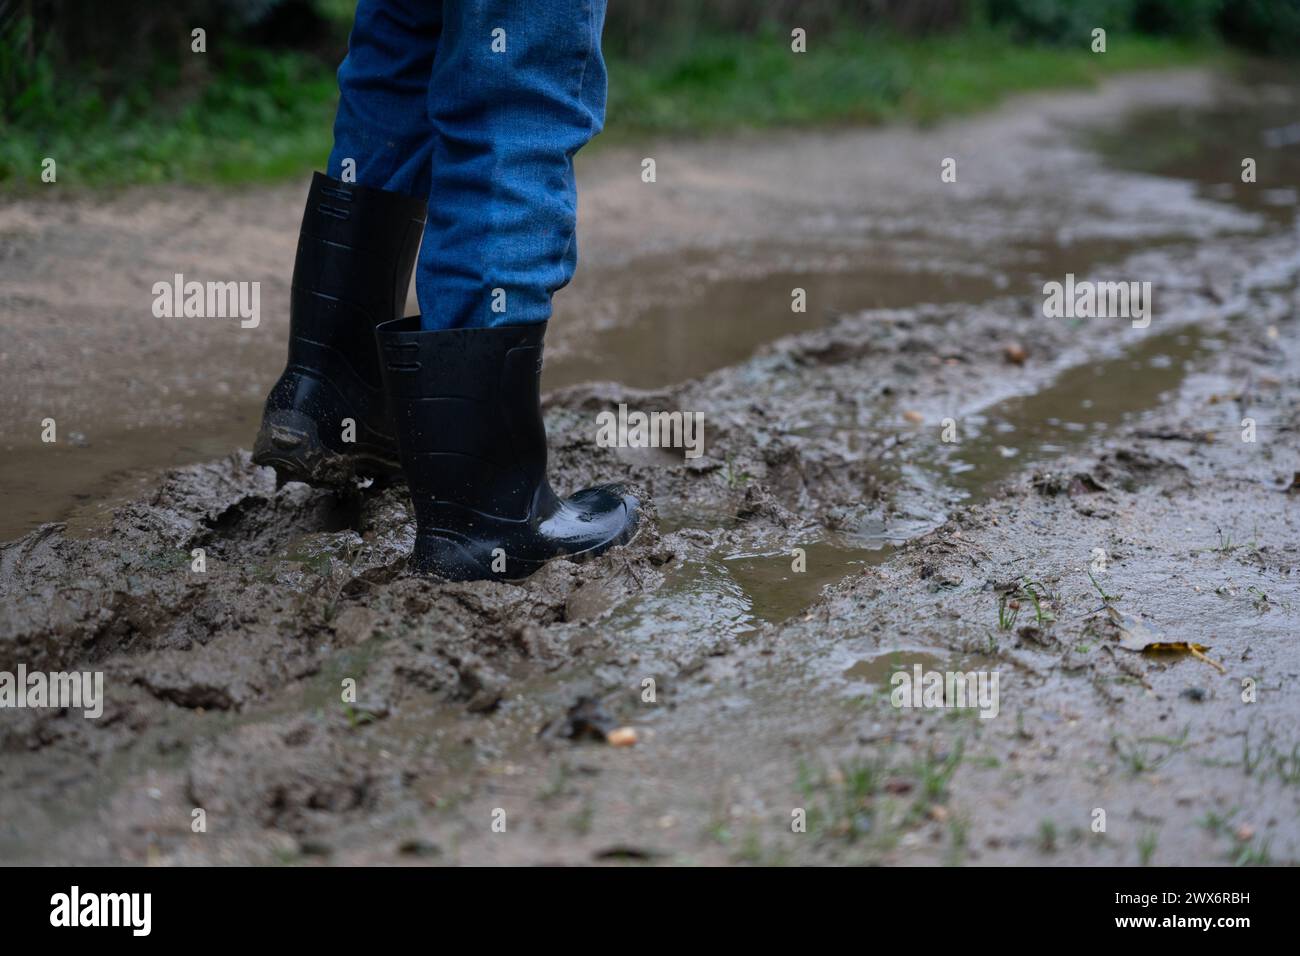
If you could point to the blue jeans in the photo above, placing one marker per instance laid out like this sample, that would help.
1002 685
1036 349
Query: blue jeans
478 106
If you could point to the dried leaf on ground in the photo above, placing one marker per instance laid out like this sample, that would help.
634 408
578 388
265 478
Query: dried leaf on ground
1137 637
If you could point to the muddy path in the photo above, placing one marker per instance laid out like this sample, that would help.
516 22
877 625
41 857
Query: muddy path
485 702
679 277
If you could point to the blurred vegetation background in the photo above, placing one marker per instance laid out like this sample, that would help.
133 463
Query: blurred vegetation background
111 89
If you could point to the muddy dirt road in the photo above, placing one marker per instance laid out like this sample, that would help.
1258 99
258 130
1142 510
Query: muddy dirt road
921 469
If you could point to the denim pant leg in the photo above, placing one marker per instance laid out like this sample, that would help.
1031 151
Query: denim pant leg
382 122
517 89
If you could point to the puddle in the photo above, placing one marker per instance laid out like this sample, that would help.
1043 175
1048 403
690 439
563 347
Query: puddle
1207 146
735 593
879 669
699 600
933 680
776 590
1067 414
82 485
727 319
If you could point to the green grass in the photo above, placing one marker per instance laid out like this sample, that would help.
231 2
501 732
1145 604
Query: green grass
1047 837
1139 755
1146 847
263 117
266 116
729 82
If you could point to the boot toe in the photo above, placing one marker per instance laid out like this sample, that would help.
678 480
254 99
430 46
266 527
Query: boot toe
607 514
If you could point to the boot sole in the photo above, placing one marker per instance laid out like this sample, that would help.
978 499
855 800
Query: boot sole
450 560
288 441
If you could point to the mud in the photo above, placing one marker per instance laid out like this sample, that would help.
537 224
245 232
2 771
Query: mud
678 278
823 434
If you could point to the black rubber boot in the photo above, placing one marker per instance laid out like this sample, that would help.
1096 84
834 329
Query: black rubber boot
466 403
356 249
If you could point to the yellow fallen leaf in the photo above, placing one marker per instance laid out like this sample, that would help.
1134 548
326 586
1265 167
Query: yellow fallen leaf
1184 647
1137 637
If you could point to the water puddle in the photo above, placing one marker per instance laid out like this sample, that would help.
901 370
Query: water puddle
780 584
879 669
1207 146
725 320
1081 402
82 484
736 592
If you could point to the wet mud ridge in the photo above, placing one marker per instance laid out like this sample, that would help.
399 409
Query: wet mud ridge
1072 506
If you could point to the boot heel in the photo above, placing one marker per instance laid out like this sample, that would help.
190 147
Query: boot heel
289 441
449 559
356 249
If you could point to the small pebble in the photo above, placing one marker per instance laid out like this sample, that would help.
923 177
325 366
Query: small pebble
621 737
